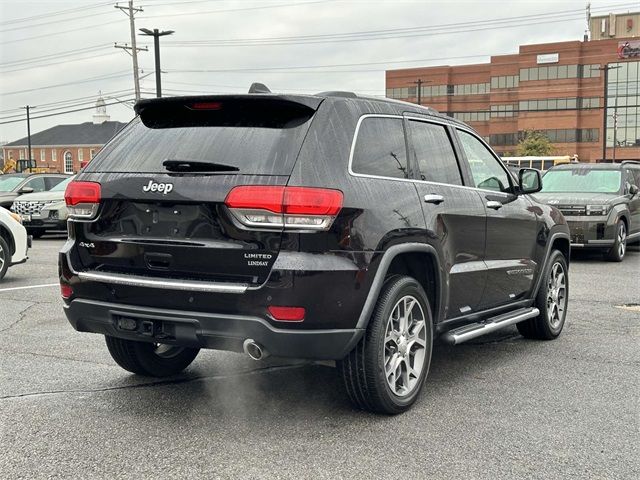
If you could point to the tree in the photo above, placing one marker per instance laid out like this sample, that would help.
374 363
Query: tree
534 144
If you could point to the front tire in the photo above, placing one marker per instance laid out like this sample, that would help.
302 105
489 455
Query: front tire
5 257
619 249
552 300
150 359
386 370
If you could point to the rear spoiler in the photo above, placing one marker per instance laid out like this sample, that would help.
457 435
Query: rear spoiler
250 110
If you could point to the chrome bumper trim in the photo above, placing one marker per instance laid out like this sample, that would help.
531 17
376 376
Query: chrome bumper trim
167 284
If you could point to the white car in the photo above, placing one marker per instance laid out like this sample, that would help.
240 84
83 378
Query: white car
14 241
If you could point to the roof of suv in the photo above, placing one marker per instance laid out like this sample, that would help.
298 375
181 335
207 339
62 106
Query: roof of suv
594 166
309 101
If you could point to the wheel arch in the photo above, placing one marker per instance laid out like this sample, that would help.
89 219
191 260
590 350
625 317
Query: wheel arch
6 235
557 240
407 259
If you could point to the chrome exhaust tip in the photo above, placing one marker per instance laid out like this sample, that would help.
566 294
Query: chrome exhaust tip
254 350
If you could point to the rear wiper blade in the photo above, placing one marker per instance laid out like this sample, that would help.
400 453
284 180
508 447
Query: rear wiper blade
197 166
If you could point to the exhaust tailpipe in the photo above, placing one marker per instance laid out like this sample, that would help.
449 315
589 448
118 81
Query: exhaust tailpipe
254 350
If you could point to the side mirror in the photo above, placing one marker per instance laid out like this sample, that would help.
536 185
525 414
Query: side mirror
633 190
529 180
24 190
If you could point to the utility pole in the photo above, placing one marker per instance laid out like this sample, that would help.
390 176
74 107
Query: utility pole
606 69
130 11
156 34
419 83
28 108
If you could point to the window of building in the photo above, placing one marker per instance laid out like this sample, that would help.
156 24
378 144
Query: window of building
470 116
623 100
432 151
10 154
53 155
380 148
504 81
504 110
21 153
80 155
486 170
503 139
471 89
43 155
68 162
92 153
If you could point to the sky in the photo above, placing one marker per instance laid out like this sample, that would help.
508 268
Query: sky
58 55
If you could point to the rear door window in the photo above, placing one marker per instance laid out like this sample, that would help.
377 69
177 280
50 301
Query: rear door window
432 151
36 183
380 148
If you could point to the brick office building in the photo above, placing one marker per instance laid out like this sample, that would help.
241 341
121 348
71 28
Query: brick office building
63 148
557 88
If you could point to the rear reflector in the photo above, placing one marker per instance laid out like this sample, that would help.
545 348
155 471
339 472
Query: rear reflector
82 199
297 208
287 314
66 291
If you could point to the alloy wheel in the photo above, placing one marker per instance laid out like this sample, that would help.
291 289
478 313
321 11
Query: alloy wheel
622 240
2 260
556 295
405 346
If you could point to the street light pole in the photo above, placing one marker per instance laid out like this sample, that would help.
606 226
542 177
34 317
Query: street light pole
28 108
156 34
419 83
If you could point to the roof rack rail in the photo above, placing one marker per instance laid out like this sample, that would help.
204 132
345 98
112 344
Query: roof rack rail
635 162
337 93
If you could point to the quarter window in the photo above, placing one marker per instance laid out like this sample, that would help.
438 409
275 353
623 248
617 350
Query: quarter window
486 170
380 148
432 151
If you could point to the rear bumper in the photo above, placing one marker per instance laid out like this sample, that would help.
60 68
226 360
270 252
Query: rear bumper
208 330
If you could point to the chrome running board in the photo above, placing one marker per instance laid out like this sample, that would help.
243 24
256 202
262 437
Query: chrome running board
467 332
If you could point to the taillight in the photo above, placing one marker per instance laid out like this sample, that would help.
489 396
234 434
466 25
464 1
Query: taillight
66 290
287 314
292 208
82 199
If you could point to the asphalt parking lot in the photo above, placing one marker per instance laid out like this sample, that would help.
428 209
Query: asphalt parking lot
497 407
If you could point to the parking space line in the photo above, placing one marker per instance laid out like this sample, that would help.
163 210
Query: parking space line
30 286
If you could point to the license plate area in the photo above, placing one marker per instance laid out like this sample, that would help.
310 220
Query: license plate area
156 329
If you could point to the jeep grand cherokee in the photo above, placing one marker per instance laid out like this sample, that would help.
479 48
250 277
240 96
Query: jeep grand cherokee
324 227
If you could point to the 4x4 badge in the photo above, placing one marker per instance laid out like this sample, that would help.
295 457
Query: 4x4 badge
163 188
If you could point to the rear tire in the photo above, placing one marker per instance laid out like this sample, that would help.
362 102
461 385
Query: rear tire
150 359
386 370
619 249
5 257
551 300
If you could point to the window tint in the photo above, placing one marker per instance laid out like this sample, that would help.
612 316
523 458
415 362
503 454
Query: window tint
53 181
485 168
380 149
431 148
37 184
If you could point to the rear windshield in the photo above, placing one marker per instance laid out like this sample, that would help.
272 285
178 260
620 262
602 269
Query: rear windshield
251 149
582 180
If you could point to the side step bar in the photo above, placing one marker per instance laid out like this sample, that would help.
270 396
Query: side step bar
467 332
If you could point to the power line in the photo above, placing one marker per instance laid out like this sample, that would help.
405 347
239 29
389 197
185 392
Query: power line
239 9
68 111
56 21
58 63
404 32
52 14
66 84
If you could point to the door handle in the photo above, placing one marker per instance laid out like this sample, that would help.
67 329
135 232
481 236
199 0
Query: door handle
433 198
493 204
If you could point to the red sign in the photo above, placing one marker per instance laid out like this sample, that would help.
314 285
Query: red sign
629 49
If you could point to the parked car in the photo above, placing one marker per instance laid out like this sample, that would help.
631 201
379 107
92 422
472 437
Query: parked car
601 202
43 211
14 241
12 185
325 227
